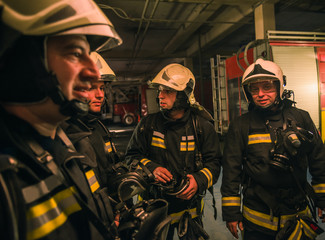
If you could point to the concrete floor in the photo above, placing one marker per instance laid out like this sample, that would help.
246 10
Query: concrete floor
215 228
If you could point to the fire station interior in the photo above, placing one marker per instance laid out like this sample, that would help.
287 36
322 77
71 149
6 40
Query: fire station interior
217 40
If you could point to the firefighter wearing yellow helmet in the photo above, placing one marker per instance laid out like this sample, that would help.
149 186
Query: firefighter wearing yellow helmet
267 153
180 146
48 190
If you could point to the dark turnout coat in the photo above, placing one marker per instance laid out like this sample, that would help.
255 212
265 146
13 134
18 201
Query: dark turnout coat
252 190
46 198
161 142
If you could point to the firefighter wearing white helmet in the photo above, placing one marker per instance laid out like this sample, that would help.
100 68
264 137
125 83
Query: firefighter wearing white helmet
263 71
26 28
267 153
105 71
48 190
169 144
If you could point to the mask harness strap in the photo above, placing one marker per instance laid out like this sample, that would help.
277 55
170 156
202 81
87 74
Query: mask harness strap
309 201
46 158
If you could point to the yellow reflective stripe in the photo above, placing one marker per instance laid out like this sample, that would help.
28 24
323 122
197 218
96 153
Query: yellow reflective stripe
191 146
140 199
264 220
108 146
183 146
308 230
158 142
187 146
285 218
145 161
208 175
51 214
231 201
319 188
177 216
92 180
259 138
296 234
260 219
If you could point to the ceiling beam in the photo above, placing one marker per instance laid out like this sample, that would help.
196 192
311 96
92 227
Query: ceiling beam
220 31
200 14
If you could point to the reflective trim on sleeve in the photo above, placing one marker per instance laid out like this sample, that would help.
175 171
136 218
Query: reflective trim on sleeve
259 138
49 215
208 175
92 180
231 201
319 188
145 161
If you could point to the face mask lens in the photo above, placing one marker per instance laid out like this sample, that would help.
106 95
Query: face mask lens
265 86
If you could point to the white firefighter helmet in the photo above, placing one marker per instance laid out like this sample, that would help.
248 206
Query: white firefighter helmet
176 77
106 73
260 71
60 17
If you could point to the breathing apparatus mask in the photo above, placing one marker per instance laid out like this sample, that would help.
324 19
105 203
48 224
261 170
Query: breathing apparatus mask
147 219
289 142
173 187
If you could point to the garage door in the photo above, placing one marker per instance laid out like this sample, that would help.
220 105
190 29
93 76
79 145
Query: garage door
299 66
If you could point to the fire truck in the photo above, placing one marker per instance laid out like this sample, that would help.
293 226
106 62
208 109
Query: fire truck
128 101
301 55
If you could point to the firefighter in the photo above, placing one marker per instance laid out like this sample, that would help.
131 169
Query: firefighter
180 147
267 151
89 134
46 72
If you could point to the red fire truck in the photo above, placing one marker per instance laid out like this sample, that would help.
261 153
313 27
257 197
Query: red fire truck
128 101
301 55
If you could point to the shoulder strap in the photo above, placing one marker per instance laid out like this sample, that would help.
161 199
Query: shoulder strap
46 158
199 159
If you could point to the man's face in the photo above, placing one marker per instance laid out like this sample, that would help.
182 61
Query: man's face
96 96
68 58
167 98
263 93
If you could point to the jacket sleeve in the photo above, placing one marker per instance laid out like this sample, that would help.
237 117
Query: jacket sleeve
232 172
211 157
139 146
316 160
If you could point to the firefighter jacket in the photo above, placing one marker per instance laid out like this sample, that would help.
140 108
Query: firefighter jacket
91 138
159 141
46 193
269 196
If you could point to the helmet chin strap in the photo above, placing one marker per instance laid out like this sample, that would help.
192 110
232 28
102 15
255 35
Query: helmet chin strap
71 108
